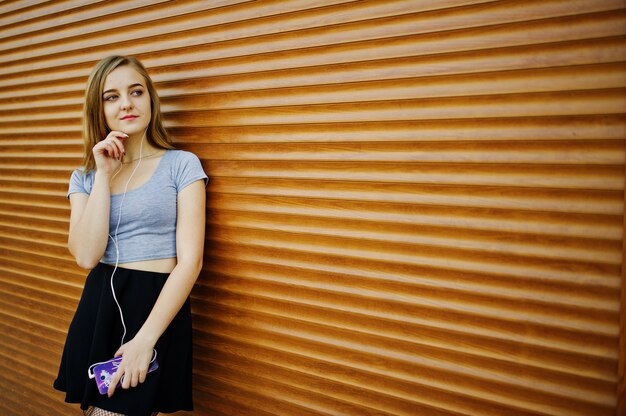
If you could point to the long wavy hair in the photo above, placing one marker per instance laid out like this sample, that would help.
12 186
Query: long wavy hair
95 128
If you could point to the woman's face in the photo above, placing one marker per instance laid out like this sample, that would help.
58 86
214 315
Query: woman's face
126 101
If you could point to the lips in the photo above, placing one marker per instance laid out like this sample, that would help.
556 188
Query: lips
129 117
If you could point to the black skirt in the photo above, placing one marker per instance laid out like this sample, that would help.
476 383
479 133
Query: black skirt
95 335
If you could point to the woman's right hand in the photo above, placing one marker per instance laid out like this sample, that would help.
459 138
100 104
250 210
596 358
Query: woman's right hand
108 153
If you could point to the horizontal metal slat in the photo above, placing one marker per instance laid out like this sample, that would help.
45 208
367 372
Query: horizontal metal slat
353 280
50 258
407 307
57 322
513 175
584 127
340 91
22 352
461 260
32 378
197 77
63 25
429 315
303 263
36 330
523 198
425 234
337 90
534 358
501 106
262 335
422 215
336 398
312 38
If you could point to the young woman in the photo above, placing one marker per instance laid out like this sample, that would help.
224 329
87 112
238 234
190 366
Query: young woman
137 221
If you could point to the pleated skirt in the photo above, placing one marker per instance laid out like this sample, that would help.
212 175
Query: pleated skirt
95 334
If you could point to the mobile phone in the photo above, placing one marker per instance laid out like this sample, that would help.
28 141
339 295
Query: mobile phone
103 372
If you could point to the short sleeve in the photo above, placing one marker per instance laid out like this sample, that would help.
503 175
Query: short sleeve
79 183
188 170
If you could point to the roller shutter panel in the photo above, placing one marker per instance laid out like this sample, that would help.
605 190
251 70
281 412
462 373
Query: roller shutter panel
415 207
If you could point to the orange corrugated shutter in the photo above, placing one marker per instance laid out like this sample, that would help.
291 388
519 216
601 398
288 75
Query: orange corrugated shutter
415 207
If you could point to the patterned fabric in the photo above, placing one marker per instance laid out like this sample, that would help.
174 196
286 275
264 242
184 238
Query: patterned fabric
96 411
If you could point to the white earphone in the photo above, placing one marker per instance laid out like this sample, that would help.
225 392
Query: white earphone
114 239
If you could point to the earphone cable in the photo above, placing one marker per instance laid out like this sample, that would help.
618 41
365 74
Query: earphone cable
117 250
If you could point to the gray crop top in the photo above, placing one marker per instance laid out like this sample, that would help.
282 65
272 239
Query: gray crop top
147 229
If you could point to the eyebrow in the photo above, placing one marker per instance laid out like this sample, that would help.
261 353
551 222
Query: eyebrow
129 87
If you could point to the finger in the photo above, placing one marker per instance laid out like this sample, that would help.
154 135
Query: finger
135 380
114 380
120 136
118 145
112 143
142 375
105 148
126 380
112 150
114 137
101 147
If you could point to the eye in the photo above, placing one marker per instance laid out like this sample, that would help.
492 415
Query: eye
137 93
111 97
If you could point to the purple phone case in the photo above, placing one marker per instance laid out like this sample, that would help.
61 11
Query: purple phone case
104 372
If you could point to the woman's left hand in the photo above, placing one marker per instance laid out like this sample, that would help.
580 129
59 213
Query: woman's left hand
136 357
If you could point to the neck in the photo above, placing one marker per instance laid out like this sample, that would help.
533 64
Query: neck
135 149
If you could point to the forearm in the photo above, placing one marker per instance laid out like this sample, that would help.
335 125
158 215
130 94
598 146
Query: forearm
172 297
88 237
189 248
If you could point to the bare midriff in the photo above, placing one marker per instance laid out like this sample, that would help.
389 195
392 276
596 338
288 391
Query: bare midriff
158 265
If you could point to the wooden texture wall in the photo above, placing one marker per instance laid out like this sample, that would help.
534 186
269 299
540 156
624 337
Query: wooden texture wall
416 207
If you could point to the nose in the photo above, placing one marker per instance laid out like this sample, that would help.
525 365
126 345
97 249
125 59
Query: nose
125 103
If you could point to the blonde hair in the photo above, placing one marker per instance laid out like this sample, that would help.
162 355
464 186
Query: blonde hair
95 128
